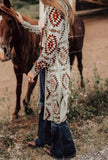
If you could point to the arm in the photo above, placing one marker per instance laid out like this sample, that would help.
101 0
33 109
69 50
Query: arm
32 28
52 40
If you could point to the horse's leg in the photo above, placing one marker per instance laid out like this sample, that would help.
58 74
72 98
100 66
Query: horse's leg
19 78
80 66
26 100
72 58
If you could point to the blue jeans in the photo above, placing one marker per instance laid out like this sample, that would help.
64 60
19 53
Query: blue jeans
62 142
44 126
57 136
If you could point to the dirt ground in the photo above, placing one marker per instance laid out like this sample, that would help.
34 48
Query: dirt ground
95 53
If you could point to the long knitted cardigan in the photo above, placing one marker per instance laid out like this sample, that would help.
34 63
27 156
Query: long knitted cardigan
55 59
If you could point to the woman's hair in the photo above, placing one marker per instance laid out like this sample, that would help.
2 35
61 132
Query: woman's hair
60 8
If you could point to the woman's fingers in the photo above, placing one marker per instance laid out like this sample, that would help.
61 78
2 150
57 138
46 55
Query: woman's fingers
31 77
19 17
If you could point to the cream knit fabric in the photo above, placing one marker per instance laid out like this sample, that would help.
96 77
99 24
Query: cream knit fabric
55 59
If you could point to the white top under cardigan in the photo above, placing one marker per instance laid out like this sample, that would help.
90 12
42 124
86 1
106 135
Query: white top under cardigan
55 59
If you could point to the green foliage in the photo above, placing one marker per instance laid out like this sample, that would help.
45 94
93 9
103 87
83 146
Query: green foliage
25 1
31 1
22 3
88 102
27 7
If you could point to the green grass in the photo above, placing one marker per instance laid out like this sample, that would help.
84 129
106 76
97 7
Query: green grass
86 103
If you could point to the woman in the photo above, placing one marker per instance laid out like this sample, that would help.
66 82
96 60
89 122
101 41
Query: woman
54 58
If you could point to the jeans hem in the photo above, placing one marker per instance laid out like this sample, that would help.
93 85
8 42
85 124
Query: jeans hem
63 157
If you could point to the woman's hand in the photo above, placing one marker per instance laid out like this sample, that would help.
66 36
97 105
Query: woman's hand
30 77
19 17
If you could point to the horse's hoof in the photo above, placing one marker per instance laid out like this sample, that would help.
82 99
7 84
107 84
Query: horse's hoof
82 85
26 102
28 111
14 117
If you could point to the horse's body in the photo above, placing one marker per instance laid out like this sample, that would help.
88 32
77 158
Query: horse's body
76 39
22 47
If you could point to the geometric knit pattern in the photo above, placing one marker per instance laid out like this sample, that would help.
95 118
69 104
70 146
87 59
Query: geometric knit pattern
55 59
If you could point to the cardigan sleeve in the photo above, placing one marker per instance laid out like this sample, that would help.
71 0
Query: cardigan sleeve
32 28
54 27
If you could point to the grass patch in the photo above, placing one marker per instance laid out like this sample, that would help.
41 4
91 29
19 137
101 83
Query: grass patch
86 103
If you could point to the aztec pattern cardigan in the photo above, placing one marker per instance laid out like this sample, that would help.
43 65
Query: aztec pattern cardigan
55 59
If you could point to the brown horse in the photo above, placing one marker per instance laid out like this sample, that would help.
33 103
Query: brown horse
22 46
